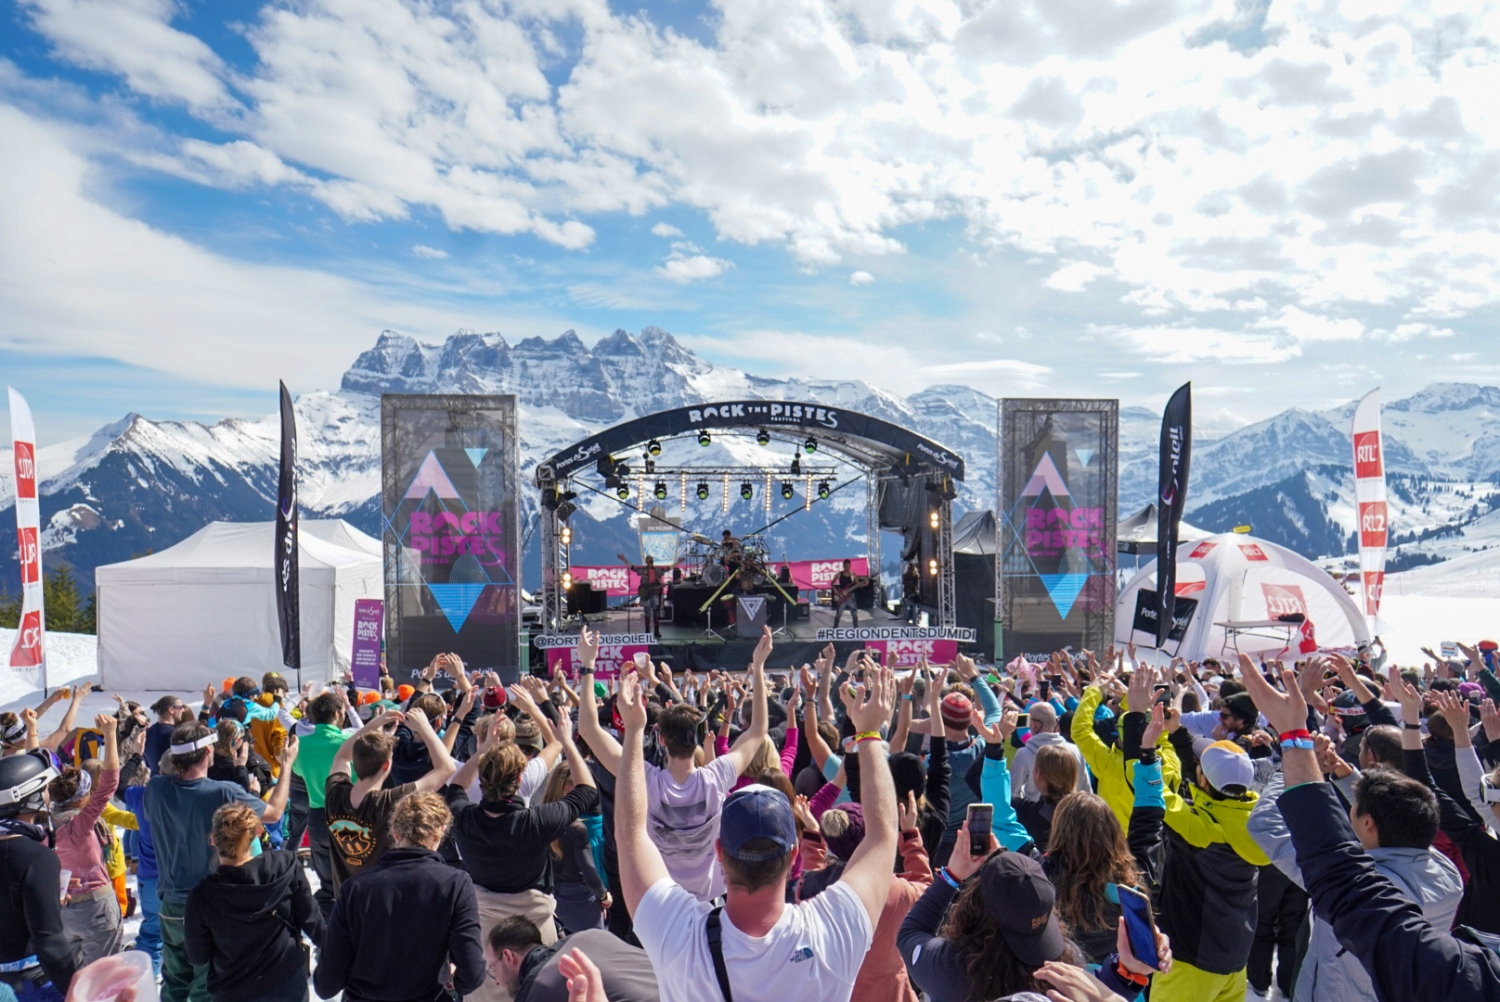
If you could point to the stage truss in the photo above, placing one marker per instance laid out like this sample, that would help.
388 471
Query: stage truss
871 460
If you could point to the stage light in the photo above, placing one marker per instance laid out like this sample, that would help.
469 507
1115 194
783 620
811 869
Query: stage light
705 439
566 535
810 446
933 519
703 490
942 488
567 580
661 490
653 447
622 470
796 466
762 437
747 490
787 491
623 492
823 490
932 567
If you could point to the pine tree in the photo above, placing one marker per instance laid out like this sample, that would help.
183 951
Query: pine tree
61 601
88 620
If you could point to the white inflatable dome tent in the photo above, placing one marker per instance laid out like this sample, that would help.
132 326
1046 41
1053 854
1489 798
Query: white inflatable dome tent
205 609
1248 584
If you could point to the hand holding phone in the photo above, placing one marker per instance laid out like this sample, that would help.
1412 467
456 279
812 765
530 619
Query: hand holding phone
1140 926
981 821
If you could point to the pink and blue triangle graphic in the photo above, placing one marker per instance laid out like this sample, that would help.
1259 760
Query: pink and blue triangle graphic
1046 478
457 600
1064 590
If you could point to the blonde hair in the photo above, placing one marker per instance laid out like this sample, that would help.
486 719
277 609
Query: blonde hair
234 826
1056 771
421 819
504 728
766 757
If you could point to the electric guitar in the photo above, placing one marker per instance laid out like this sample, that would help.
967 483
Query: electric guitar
840 595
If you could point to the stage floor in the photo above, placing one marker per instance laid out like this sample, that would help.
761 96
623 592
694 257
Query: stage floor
629 620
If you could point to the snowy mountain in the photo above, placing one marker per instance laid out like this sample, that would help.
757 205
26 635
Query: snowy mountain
140 485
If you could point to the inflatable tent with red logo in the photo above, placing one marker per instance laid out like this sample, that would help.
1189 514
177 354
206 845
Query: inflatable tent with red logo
1240 594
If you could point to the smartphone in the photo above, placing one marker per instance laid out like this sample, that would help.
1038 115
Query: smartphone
1044 689
1139 925
641 659
1023 720
981 820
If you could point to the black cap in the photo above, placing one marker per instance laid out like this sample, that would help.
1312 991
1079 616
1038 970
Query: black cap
1018 896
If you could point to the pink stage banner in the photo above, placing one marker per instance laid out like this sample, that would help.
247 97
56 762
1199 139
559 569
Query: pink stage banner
818 574
612 659
909 653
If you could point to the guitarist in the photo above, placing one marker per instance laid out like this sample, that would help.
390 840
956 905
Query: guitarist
845 584
649 591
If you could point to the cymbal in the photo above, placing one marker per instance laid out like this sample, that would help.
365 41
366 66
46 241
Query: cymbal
700 538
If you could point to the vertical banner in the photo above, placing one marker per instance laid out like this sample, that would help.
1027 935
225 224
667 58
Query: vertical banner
29 650
1058 505
288 604
1171 492
1369 498
364 655
451 530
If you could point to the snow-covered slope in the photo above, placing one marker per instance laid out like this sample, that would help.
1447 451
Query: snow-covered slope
139 485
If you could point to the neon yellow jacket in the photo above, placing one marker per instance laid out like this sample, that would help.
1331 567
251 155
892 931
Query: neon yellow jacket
1108 764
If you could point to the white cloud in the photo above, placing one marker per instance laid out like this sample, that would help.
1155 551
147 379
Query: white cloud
135 39
1177 346
693 268
1016 373
158 301
1342 166
430 253
861 278
1074 276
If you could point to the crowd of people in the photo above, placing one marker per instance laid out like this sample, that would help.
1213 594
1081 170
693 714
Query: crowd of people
1079 829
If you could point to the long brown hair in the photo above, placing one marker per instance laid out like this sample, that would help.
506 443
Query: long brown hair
554 788
1087 850
1056 772
993 968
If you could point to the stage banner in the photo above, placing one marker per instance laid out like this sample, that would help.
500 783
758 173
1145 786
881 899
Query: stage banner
29 650
1370 500
364 657
909 653
613 658
1055 575
288 604
1176 449
620 581
451 530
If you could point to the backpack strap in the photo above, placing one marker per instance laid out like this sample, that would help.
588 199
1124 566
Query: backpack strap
716 951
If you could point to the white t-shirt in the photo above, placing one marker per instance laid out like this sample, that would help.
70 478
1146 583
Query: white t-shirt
813 953
532 778
683 822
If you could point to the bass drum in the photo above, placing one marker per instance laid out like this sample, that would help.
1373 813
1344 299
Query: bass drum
714 574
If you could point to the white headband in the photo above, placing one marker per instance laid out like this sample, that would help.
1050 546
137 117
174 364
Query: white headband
192 746
15 733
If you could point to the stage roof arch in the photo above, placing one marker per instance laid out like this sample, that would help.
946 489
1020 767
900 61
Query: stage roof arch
868 441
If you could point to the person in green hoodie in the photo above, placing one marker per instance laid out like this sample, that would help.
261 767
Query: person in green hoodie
314 762
245 920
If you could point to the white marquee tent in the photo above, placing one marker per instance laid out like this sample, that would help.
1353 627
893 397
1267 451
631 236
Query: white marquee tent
205 609
1242 586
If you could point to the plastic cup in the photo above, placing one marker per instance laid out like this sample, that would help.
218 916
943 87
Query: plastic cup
64 879
124 977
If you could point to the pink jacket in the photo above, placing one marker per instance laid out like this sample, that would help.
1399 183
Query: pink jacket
78 848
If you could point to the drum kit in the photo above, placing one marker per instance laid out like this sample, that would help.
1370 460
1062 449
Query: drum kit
712 562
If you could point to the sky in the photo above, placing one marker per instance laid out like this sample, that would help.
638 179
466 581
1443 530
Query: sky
1286 201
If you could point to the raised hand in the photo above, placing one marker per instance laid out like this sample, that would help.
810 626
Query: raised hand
1410 700
869 705
964 665
587 651
631 704
803 813
762 649
907 813
107 724
1491 719
209 692
1455 710
289 751
991 733
1139 691
1285 711
1154 727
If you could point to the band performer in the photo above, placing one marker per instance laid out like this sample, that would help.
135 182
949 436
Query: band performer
845 584
649 591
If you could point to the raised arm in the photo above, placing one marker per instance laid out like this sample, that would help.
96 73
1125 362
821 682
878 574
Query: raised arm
443 766
869 871
54 740
605 748
345 755
640 861
282 791
903 713
744 750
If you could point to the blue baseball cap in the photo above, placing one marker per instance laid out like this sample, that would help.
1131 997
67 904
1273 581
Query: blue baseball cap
757 812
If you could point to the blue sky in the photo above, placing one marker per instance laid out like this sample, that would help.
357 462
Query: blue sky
1285 204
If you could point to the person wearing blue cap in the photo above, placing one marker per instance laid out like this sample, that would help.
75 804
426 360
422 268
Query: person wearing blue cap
758 948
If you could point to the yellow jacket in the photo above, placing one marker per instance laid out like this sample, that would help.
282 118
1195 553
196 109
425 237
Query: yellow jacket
1108 764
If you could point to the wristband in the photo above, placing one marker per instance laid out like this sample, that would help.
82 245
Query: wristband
866 736
1412 727
1292 735
906 695
585 669
1129 976
1296 739
951 881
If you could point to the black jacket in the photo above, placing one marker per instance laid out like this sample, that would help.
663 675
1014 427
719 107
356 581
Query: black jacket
30 914
246 923
506 844
1407 958
394 928
1480 908
628 975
